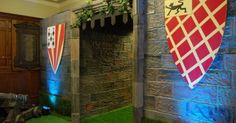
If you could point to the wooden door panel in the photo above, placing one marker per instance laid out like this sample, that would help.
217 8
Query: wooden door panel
2 47
11 80
5 43
14 83
5 84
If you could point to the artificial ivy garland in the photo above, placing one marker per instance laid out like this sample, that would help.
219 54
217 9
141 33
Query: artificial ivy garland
87 13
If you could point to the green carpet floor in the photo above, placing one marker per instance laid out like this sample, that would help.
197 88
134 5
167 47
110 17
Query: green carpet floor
122 115
48 119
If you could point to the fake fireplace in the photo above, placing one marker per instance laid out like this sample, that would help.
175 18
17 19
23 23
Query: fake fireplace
106 67
101 67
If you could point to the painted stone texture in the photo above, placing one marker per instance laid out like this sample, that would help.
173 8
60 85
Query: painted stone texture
105 73
105 68
167 97
56 88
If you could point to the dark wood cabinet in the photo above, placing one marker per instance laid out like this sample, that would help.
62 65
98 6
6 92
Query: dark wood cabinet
15 79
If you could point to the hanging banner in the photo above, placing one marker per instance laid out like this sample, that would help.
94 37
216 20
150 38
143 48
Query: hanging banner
55 44
194 31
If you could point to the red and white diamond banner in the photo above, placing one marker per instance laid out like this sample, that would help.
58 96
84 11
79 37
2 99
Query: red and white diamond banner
194 31
55 44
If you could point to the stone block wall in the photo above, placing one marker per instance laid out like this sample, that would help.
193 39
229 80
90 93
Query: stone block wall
56 88
105 67
98 80
167 96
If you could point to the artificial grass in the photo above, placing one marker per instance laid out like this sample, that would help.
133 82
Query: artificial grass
48 119
121 115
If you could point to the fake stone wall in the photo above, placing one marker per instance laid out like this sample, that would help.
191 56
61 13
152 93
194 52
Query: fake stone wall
168 97
56 88
104 79
106 67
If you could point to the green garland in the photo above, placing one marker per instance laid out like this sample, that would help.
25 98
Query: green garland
87 13
84 16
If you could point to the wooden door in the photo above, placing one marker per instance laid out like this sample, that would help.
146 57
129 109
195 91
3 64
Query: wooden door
5 44
18 81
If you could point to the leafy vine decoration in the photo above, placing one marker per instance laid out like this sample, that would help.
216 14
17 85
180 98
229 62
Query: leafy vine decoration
87 13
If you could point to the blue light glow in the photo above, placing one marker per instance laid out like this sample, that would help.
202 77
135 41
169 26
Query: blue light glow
53 99
46 107
53 85
209 101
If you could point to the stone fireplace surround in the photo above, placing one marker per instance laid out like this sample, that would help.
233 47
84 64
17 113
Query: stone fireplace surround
71 62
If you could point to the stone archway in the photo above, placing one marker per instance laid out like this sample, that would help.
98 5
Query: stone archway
137 84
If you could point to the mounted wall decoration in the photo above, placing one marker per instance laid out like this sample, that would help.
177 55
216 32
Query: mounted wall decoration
27 46
194 31
55 44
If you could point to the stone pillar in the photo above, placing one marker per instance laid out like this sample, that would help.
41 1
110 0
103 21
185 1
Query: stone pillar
139 31
75 72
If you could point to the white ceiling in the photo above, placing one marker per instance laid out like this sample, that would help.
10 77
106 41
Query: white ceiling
55 3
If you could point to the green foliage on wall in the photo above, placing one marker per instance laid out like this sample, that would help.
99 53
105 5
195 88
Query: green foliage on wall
84 16
87 13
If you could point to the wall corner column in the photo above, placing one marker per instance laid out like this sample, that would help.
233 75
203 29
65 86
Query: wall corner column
75 71
139 37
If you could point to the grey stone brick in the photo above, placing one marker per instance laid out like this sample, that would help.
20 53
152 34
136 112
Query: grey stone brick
105 71
150 74
157 48
230 61
165 89
215 77
232 8
218 63
234 79
155 21
225 96
188 109
166 105
228 31
149 102
150 8
200 93
152 62
167 62
163 117
212 98
160 7
156 34
168 75
234 116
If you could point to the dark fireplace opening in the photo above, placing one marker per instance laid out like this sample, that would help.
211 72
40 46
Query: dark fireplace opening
106 66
